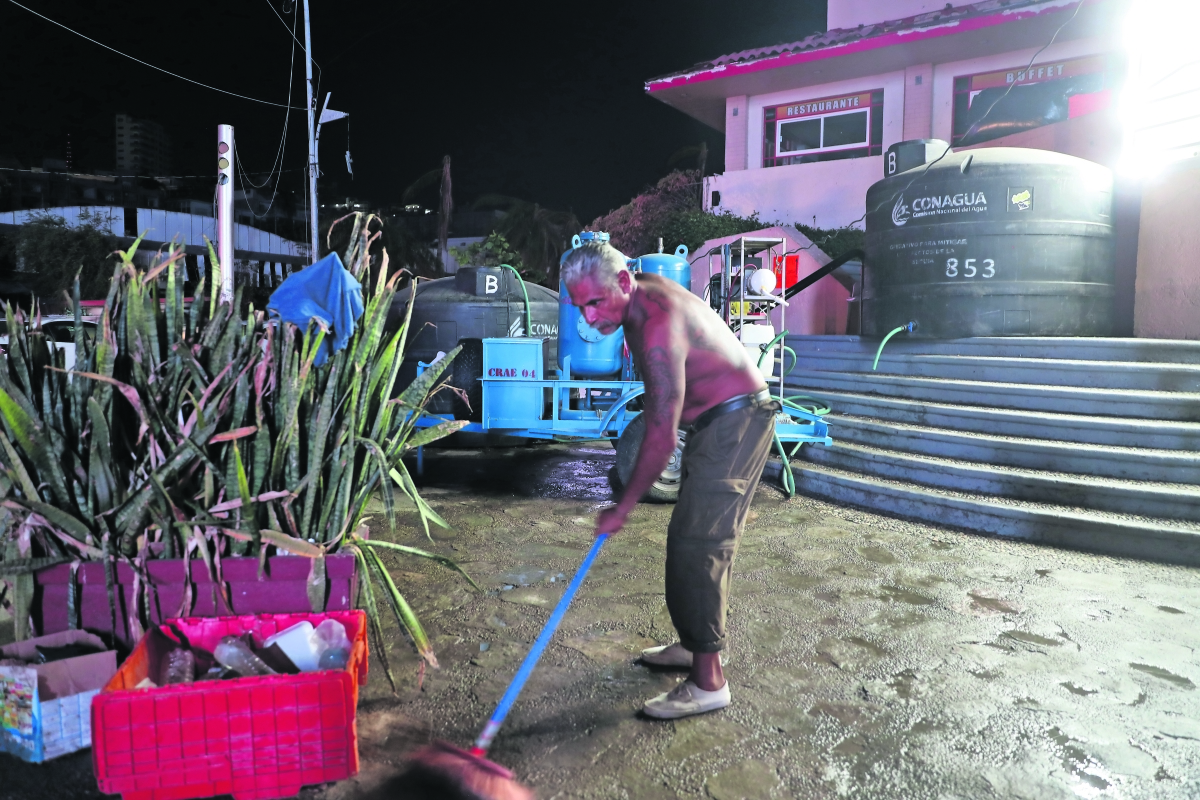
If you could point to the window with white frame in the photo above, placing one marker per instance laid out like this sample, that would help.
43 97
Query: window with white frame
846 126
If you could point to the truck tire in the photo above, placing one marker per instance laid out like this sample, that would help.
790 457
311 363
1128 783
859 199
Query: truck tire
666 488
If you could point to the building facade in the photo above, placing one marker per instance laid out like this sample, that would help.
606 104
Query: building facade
807 124
143 148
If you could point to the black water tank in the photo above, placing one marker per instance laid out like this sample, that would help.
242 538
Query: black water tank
475 303
905 155
999 241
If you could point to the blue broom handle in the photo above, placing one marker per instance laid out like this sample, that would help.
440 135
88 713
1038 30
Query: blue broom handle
518 683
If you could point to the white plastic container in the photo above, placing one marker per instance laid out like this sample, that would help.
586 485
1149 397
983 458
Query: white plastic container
754 338
299 645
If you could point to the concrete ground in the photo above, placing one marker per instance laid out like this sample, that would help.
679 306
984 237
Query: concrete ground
869 658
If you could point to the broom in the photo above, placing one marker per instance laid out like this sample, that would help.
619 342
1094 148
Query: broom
442 767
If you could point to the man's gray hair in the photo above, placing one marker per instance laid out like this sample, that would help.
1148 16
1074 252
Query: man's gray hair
597 259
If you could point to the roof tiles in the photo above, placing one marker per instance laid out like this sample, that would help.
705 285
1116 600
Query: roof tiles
843 36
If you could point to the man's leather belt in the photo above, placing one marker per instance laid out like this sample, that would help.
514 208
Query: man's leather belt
760 398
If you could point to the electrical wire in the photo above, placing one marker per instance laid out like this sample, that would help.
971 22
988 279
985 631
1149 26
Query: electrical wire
243 178
137 177
291 31
947 151
144 63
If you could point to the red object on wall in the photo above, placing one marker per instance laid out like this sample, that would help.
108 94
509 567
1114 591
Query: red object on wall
254 738
785 269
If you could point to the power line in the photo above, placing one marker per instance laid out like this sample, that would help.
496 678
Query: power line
145 64
243 177
946 152
89 176
291 31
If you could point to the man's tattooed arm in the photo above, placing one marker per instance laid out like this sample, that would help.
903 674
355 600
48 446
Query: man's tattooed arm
662 359
663 375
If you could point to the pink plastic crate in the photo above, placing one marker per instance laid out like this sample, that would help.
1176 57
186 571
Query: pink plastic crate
250 737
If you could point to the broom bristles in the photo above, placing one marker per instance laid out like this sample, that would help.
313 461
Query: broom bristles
475 775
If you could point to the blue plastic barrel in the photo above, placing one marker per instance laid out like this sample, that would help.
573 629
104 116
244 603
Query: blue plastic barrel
592 354
673 266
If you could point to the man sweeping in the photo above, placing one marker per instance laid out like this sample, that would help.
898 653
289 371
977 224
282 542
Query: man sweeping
697 375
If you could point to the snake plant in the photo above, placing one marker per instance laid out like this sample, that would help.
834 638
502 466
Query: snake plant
190 430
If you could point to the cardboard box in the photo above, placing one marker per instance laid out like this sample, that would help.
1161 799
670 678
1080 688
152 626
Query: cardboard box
45 709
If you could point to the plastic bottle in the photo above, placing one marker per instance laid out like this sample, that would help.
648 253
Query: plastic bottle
232 652
299 644
334 646
178 667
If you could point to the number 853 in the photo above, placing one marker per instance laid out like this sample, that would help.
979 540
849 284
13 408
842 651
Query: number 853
986 269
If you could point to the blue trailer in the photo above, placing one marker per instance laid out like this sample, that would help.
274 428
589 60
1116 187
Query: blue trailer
519 400
597 396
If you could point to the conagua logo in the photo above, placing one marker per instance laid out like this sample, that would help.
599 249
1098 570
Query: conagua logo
960 203
899 212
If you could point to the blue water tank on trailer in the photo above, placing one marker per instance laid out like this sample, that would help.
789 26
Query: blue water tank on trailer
593 355
673 266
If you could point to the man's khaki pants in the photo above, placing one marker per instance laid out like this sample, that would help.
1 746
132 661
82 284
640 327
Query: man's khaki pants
721 467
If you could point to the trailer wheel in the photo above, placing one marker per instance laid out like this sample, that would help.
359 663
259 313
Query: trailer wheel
666 488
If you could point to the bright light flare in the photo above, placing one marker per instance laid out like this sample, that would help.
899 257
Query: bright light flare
1160 102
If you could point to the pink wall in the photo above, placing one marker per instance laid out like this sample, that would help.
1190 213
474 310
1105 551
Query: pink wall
1167 297
918 102
737 129
819 309
832 191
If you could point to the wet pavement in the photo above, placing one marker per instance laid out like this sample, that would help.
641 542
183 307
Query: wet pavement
870 657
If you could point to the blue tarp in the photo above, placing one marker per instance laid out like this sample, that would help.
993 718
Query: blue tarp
325 291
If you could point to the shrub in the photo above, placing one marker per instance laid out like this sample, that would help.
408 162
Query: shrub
48 253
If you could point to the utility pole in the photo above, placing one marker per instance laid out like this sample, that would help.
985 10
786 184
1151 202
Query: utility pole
314 208
225 155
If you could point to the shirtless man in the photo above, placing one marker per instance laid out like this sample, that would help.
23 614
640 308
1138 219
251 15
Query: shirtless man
698 376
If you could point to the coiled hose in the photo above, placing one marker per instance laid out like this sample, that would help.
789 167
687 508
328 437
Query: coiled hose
528 313
798 401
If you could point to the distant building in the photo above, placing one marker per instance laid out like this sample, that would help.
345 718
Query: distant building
261 258
143 148
50 185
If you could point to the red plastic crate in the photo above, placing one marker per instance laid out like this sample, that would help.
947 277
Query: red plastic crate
253 738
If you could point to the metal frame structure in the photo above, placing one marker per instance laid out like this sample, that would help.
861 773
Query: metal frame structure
562 409
746 246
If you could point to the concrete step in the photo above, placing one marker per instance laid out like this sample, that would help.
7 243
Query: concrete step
1060 526
1140 404
1157 500
1171 351
1137 376
1122 463
1110 431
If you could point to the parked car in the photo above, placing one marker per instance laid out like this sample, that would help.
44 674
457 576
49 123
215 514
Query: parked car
60 330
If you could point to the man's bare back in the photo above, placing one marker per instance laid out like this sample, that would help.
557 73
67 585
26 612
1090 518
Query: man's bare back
716 367
688 360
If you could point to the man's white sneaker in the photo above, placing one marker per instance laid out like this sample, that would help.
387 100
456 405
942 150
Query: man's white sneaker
686 699
671 655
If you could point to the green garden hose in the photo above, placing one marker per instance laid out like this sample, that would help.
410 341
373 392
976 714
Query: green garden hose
815 406
910 327
528 313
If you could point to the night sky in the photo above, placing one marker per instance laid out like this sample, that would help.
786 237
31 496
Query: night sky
545 103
